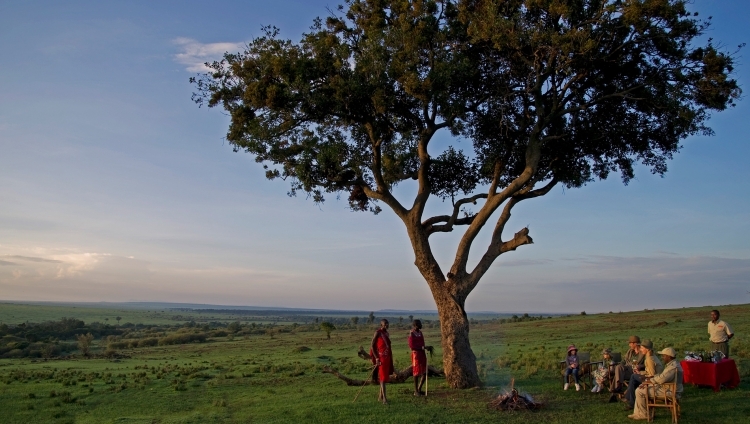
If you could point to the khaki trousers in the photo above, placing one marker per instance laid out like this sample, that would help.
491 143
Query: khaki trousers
722 347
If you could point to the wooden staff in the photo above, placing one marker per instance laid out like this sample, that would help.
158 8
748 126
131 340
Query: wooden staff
426 379
372 372
427 375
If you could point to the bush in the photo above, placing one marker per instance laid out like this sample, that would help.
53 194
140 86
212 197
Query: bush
182 339
84 343
151 341
117 345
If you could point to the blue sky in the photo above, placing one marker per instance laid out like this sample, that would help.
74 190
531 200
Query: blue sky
115 187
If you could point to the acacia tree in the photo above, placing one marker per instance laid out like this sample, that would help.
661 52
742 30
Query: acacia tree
327 327
550 92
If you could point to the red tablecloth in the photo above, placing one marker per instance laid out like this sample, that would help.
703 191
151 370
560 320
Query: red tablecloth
711 374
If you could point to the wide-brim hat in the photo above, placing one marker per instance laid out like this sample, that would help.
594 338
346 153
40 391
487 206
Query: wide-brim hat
648 344
668 351
572 347
634 339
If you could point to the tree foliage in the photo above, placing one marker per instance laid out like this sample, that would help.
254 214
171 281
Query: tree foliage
327 327
547 92
84 343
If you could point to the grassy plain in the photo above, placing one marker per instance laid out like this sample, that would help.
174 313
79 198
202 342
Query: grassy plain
11 312
271 379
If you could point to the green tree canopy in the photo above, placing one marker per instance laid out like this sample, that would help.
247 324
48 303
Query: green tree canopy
327 327
548 92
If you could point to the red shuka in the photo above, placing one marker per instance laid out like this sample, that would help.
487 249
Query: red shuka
384 355
418 355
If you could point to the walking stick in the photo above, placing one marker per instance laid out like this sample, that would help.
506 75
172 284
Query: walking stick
426 375
372 372
426 379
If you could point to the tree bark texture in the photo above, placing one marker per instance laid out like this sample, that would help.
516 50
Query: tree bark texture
459 362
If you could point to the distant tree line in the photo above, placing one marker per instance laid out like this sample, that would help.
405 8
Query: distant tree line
69 336
523 318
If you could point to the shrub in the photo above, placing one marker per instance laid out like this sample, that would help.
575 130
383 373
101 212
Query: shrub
151 341
182 339
117 345
84 343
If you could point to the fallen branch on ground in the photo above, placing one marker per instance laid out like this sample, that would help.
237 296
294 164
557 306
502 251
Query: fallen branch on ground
397 377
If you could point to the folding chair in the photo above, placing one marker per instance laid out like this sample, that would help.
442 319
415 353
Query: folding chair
584 370
616 358
666 399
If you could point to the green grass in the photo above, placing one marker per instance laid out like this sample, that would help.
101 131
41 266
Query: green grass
264 379
15 313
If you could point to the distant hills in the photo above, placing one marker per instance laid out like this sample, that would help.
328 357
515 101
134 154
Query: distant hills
286 310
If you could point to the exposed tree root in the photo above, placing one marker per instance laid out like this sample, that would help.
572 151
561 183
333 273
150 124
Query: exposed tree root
397 377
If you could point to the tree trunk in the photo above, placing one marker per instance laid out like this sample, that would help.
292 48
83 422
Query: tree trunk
459 362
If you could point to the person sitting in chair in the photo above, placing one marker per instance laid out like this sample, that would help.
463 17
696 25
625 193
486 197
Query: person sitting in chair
633 360
605 371
572 367
653 366
672 374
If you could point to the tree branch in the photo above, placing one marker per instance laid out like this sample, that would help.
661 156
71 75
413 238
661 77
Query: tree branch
497 247
453 218
481 218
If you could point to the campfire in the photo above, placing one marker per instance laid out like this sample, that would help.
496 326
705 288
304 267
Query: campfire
512 400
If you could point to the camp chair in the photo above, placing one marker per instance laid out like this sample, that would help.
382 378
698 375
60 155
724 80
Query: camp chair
667 399
584 370
615 356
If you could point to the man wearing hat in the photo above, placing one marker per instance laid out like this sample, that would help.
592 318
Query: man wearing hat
672 374
633 360
653 366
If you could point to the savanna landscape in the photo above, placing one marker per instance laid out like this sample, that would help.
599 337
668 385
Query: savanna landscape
201 366
490 134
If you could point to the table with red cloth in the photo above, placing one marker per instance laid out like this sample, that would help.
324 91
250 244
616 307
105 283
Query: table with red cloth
711 374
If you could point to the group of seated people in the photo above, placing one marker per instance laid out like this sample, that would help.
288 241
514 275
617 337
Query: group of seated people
639 365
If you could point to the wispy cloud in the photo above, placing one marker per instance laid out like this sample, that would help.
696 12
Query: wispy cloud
34 259
524 262
194 54
70 274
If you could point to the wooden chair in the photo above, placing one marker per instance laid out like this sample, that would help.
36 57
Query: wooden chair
584 370
667 399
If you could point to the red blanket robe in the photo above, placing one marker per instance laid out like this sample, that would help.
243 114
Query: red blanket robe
418 355
384 355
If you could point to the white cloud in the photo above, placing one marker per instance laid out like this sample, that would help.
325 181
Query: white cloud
195 54
68 274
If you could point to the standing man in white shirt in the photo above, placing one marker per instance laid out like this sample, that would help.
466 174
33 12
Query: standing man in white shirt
719 333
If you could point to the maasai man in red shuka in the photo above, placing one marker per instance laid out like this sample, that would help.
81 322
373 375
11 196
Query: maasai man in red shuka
418 356
381 356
